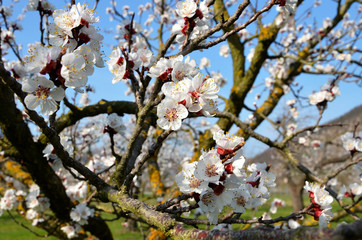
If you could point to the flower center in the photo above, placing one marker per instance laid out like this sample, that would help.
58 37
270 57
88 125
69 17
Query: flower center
207 198
84 213
179 75
171 114
42 92
68 21
211 170
194 183
144 58
240 201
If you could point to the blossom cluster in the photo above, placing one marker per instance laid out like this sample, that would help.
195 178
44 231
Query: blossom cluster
74 49
353 190
220 178
99 161
80 215
292 108
320 203
352 142
35 203
114 124
40 5
185 90
287 7
192 21
275 204
183 85
308 141
77 190
131 54
8 201
328 93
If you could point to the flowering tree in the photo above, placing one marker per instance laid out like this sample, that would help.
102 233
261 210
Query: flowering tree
63 164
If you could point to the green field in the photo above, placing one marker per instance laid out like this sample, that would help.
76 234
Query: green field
9 230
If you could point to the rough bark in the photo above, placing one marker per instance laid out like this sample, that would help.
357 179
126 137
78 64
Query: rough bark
296 181
348 232
18 133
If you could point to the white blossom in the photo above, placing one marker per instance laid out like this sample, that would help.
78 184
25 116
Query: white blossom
71 230
42 92
224 51
186 8
170 114
81 213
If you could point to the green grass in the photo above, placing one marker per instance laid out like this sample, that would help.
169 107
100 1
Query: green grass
9 230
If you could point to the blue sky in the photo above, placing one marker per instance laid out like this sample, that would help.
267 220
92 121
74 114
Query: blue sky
351 95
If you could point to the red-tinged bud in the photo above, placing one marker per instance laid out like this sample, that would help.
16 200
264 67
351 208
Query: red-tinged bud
15 74
194 94
183 102
163 77
223 151
184 29
126 74
255 183
349 194
120 61
192 24
218 189
130 64
317 213
196 196
282 3
127 27
229 168
7 39
199 113
84 38
223 177
353 151
311 195
49 67
199 13
268 168
84 22
108 129
127 37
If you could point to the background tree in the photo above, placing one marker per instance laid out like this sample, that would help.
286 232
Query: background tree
63 164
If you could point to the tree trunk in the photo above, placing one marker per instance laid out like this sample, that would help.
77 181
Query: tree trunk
295 185
296 193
